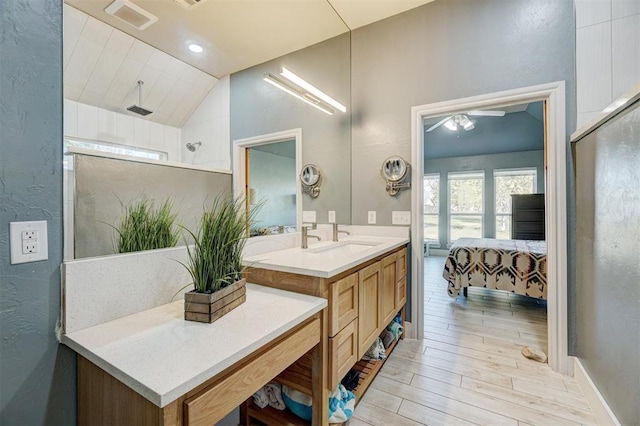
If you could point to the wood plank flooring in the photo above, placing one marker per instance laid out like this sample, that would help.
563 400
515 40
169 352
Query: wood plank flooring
468 370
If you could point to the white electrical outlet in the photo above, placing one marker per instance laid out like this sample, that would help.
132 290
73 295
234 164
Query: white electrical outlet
332 216
309 216
401 217
371 217
28 241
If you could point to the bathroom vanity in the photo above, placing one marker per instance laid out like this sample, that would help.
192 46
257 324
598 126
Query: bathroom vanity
153 367
363 280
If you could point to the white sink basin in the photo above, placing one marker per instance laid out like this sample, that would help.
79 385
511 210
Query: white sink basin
326 258
344 248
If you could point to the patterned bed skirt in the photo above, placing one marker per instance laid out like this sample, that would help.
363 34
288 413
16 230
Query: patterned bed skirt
517 266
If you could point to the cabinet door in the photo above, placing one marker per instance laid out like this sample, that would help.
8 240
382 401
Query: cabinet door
369 280
387 297
343 353
343 303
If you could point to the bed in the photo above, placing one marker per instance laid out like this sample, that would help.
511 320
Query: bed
518 266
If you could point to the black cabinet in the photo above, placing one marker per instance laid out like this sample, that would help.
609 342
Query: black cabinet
527 217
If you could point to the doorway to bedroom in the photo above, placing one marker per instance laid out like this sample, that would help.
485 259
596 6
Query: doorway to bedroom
484 234
469 189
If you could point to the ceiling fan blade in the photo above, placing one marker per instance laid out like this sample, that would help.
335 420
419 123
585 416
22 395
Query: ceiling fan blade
438 124
478 113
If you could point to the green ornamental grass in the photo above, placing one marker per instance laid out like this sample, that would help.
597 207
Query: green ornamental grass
145 227
215 261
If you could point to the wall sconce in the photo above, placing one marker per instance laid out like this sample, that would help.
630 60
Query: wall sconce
310 178
395 172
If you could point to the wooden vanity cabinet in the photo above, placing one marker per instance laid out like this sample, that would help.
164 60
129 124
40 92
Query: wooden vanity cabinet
361 302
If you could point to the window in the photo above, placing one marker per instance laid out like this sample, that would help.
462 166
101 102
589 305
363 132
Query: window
431 207
113 148
465 205
507 182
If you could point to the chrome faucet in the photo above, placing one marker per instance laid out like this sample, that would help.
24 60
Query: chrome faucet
336 232
305 237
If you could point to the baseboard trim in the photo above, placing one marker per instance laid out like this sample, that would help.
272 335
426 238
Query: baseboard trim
601 409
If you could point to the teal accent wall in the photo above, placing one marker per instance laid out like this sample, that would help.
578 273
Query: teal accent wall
37 374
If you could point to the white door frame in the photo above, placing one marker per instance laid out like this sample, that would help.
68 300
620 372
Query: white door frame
240 155
555 213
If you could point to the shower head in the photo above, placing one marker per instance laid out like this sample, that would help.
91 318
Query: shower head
138 109
193 146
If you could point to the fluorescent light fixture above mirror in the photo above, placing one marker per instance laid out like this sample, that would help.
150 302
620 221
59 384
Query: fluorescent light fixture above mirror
300 94
312 89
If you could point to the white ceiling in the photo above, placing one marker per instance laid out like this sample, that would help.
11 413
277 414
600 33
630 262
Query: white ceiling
105 57
238 34
102 66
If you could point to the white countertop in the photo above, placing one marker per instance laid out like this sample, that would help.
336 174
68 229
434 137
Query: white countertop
161 356
326 259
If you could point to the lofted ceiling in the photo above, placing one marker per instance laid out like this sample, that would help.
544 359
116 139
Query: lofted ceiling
104 57
521 129
238 34
102 66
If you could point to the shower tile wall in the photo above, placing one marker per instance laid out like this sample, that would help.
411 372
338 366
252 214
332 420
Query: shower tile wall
89 122
607 53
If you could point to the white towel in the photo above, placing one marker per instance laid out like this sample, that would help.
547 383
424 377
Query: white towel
274 393
260 398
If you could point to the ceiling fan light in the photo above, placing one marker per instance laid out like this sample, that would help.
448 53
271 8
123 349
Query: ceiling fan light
451 125
468 125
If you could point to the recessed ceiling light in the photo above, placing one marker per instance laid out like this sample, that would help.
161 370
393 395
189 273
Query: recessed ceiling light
196 48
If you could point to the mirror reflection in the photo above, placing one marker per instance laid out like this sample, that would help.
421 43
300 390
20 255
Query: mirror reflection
196 111
271 183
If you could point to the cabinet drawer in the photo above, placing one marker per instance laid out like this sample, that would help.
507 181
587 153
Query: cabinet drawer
401 292
343 303
343 353
401 263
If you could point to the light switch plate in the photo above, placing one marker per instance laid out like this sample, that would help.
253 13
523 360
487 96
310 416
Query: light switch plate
371 217
332 216
400 217
29 241
309 216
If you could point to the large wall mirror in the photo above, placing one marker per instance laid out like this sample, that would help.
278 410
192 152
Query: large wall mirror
195 119
259 109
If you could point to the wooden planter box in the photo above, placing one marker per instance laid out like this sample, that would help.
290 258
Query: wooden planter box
205 307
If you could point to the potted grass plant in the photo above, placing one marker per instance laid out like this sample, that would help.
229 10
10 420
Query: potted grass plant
145 227
215 261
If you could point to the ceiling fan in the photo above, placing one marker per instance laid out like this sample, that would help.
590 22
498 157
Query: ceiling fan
462 120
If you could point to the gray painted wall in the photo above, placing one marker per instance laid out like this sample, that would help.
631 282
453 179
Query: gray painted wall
608 272
477 163
258 108
37 375
448 50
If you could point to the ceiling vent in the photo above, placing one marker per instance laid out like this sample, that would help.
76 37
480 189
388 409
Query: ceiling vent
130 13
189 4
